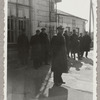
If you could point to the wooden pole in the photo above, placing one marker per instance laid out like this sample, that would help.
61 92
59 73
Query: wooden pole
90 18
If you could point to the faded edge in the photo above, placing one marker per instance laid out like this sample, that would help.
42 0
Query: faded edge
1 49
98 50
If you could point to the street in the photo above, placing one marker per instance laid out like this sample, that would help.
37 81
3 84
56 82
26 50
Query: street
25 83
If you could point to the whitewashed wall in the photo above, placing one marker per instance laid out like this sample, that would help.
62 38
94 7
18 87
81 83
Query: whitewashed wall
67 21
40 15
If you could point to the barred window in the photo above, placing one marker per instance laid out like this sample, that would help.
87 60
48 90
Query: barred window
18 18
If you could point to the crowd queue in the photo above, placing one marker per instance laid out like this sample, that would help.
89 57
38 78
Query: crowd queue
57 50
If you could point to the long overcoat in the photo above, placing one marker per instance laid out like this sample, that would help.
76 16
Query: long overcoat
44 45
36 47
74 44
67 38
86 43
59 54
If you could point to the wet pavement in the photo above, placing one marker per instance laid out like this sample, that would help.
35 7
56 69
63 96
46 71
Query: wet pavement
26 83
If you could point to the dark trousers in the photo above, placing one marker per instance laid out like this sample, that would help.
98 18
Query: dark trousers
81 53
86 54
57 77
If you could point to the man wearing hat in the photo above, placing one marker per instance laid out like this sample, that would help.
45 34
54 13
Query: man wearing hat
44 45
36 49
59 56
75 44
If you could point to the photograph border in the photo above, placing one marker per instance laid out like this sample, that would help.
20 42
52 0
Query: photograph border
3 50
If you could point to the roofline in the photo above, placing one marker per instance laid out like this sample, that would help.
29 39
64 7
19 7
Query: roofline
72 16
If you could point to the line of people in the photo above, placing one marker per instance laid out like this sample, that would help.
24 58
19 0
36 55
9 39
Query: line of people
57 50
40 46
77 44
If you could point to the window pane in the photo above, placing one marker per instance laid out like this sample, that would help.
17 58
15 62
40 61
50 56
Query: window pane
26 12
20 12
13 10
13 1
26 2
20 1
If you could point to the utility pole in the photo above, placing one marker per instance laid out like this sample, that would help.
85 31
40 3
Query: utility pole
90 17
56 17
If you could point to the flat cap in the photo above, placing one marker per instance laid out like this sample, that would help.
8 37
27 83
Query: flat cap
43 29
60 27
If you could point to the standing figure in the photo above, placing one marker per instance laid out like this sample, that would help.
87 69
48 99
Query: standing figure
67 38
59 56
86 43
75 44
45 46
23 47
81 45
36 49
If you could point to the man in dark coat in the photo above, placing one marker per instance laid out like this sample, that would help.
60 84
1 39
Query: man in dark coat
75 44
36 49
81 45
86 43
23 47
45 46
59 56
67 42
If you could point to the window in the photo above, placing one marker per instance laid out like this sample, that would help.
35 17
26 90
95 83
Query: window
23 2
73 24
18 18
20 1
11 29
26 12
20 12
51 6
11 10
26 2
14 1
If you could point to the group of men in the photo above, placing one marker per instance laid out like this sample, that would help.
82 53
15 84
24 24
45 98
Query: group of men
77 44
57 49
39 44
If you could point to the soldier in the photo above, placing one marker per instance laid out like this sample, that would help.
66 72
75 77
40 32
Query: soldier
23 47
86 43
67 42
59 56
45 46
36 49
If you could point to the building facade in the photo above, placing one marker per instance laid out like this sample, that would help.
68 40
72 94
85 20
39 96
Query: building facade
71 22
35 14
29 15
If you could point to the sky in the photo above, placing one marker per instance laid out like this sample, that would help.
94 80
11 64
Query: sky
78 8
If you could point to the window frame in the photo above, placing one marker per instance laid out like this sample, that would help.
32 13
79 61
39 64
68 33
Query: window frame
17 18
